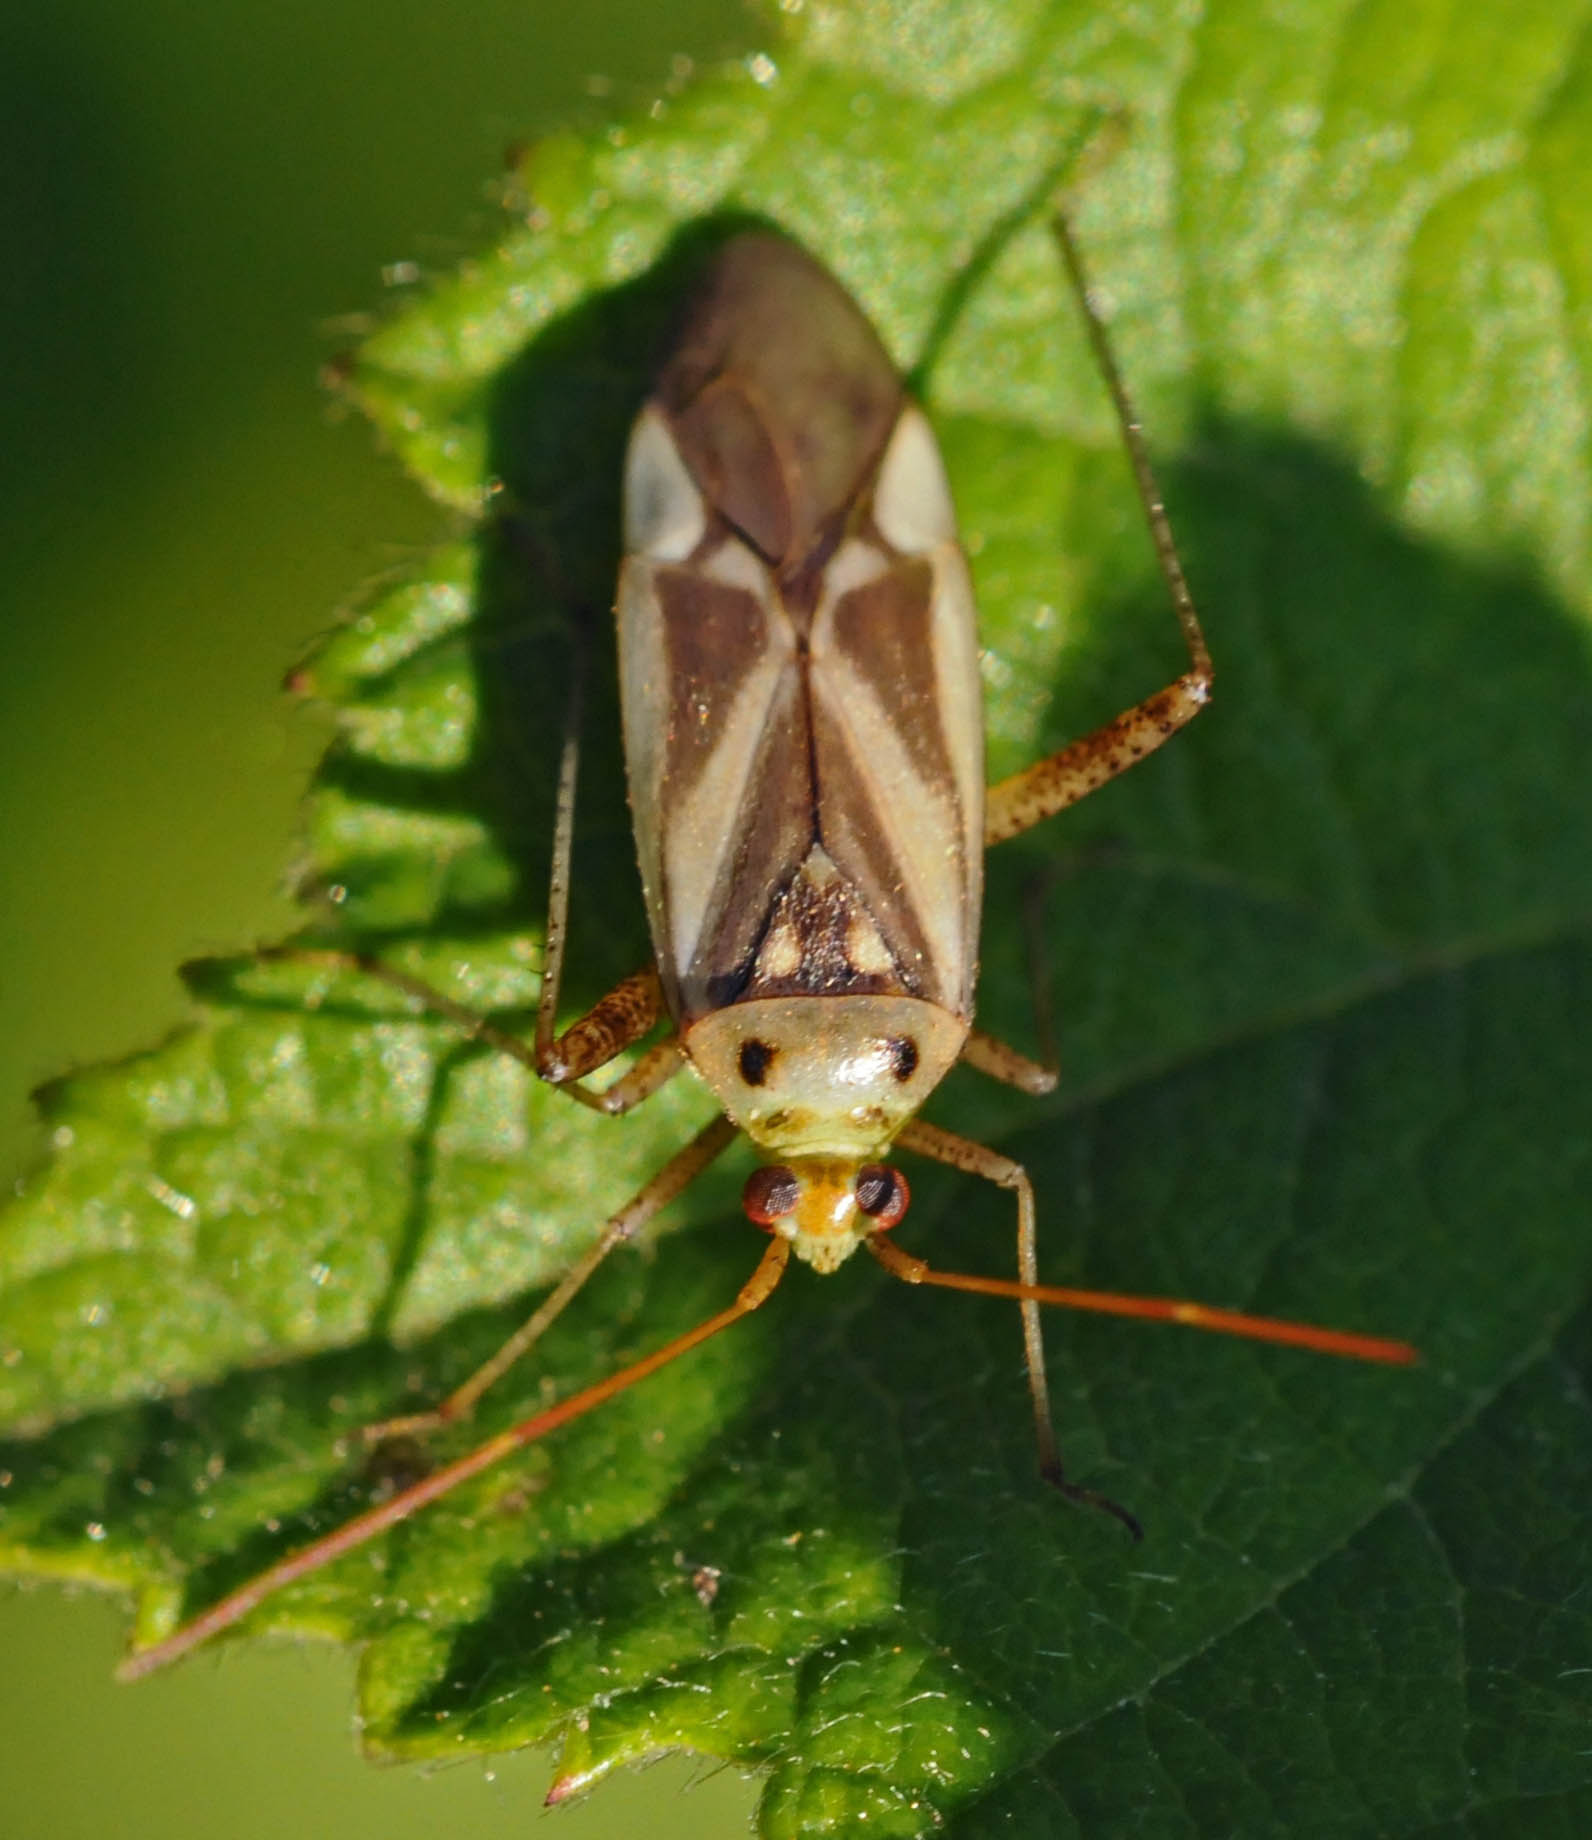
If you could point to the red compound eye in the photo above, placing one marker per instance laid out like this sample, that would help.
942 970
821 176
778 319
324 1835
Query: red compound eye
882 1194
770 1194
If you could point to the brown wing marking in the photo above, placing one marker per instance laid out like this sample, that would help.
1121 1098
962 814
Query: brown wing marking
780 395
898 761
822 941
773 831
733 779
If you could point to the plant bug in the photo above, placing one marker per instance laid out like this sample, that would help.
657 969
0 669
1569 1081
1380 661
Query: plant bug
804 745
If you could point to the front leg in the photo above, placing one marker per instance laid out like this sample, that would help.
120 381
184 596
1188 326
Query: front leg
616 1022
979 1160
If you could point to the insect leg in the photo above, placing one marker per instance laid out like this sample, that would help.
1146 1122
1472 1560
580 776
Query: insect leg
631 1009
998 1059
1002 1062
1015 805
616 1022
1035 946
1050 785
1150 498
979 1160
976 1159
681 1169
365 1527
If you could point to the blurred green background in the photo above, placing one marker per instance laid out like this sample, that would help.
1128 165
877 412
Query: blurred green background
197 205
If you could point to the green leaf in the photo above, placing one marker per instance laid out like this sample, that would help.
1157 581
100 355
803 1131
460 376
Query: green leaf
1321 970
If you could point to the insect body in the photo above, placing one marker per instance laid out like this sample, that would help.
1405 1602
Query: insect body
804 735
804 744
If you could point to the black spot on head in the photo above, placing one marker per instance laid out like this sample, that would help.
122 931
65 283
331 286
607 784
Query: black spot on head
903 1057
755 1060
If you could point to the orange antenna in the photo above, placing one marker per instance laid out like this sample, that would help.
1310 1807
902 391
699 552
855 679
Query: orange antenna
365 1527
1342 1342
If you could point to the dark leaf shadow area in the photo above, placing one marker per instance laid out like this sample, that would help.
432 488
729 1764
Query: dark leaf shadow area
1320 972
558 420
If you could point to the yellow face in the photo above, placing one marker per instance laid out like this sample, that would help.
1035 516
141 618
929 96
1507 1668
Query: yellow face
822 1085
825 1206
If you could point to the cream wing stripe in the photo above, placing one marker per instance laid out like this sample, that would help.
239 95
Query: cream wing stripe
699 832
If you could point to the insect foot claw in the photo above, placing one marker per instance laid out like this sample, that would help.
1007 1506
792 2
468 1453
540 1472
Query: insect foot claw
1092 1498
